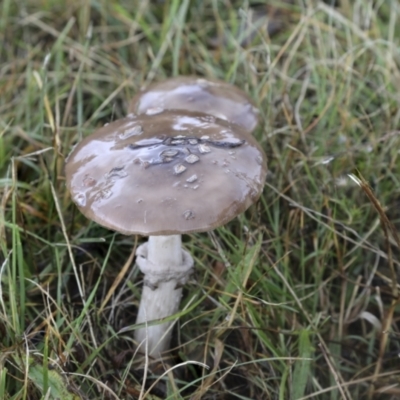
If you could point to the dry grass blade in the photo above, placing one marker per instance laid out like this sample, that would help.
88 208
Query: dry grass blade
388 229
209 379
119 277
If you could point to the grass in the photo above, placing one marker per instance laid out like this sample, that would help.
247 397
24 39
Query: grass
295 299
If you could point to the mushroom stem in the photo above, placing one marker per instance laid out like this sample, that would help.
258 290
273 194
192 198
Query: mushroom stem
166 268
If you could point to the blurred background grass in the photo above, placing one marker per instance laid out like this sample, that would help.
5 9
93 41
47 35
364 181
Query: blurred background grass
295 299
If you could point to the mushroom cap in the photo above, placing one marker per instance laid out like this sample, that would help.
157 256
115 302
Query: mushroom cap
165 174
214 97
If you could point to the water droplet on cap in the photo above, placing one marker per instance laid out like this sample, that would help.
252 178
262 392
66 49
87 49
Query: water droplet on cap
177 141
88 181
209 118
229 142
186 151
188 214
154 110
192 179
169 153
192 158
203 148
80 199
135 130
253 193
179 168
220 116
103 194
117 173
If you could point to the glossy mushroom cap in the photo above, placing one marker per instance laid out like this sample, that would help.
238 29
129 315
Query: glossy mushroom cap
189 93
165 174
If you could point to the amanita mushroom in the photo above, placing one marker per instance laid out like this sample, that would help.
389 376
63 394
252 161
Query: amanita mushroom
161 176
190 93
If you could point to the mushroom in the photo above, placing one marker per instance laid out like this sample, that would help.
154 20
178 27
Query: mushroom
162 177
213 97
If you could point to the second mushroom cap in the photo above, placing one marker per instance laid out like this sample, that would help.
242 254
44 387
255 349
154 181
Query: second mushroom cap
213 97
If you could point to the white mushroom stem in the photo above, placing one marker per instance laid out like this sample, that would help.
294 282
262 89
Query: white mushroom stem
166 268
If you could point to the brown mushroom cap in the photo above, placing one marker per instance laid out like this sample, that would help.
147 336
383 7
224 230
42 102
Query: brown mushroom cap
165 174
217 98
